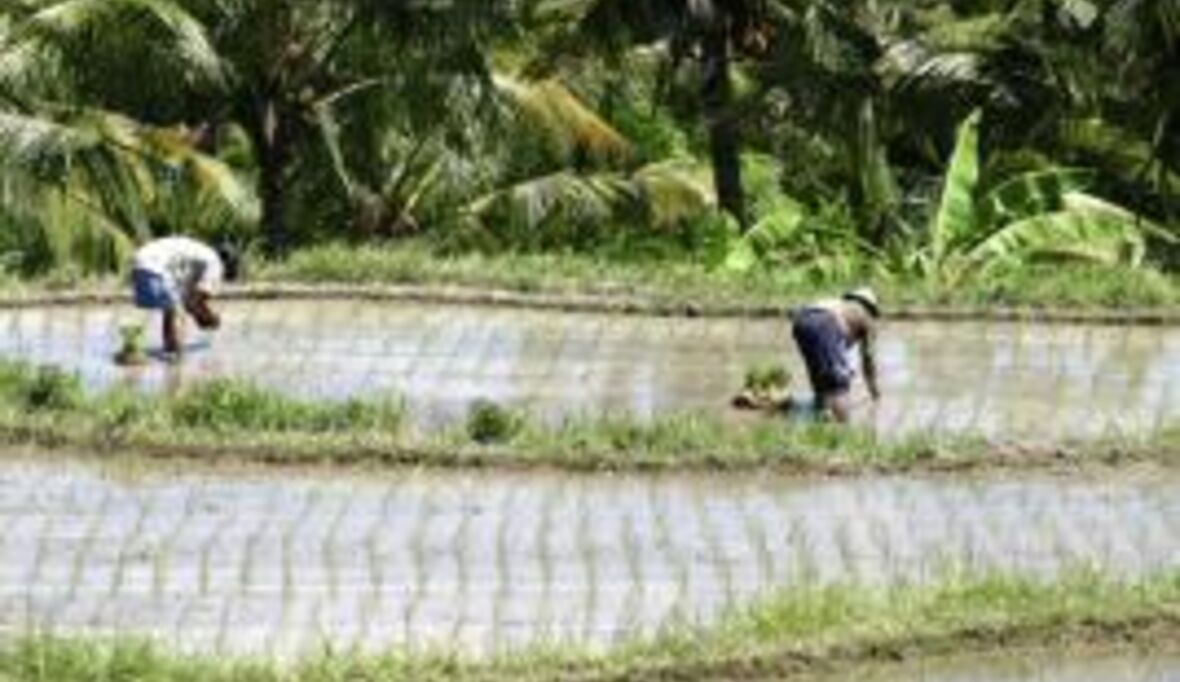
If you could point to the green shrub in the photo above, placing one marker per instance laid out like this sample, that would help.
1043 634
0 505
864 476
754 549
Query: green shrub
490 422
53 389
122 408
226 404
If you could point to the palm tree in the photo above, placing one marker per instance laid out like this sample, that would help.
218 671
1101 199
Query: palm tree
82 180
713 33
289 59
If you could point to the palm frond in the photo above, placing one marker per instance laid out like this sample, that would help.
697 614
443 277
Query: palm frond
69 20
564 118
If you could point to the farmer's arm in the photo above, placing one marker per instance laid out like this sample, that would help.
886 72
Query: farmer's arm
868 360
200 294
198 306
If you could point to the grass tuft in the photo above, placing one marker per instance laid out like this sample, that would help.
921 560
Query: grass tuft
489 422
227 404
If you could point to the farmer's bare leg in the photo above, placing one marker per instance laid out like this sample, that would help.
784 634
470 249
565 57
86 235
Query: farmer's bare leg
839 405
171 331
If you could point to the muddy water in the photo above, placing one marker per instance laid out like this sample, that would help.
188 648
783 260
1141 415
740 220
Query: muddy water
992 378
259 564
1128 667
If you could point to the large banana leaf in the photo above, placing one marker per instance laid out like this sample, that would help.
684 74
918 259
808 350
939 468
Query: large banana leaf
1086 229
777 228
955 220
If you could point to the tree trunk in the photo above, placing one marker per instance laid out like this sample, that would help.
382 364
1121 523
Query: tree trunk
273 147
724 142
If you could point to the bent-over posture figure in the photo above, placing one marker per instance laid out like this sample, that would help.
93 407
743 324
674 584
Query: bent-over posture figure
181 273
826 332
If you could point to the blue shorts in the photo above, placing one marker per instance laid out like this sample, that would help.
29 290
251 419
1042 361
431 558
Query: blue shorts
825 350
151 291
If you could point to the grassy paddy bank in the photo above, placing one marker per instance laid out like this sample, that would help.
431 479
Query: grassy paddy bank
802 631
661 287
231 419
694 285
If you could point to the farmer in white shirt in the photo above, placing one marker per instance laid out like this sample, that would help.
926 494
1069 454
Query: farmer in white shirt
180 273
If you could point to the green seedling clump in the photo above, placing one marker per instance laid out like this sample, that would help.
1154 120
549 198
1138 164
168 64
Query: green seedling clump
766 387
490 422
767 378
51 389
131 348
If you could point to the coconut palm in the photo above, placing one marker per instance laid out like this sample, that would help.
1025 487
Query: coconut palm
287 60
711 32
83 182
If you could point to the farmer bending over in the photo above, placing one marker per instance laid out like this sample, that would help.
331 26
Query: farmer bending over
178 272
826 331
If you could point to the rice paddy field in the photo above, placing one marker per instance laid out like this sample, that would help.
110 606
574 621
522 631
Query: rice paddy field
281 564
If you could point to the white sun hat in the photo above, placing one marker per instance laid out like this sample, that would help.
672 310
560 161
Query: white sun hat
866 297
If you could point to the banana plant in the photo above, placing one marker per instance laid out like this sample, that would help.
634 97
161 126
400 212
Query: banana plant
1032 217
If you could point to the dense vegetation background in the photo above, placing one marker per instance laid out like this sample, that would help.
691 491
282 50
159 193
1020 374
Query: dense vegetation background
835 139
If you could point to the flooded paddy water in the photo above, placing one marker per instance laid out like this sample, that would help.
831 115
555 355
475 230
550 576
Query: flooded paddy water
252 562
1008 380
285 564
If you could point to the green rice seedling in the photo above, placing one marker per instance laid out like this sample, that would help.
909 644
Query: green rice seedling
544 545
767 377
588 554
489 422
503 561
329 549
756 534
131 345
460 550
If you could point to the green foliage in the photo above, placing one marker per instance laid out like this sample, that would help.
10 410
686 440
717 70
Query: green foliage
131 345
591 126
489 422
767 377
231 405
1032 216
955 218
39 388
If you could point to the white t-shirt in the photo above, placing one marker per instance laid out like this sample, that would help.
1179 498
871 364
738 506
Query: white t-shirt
186 264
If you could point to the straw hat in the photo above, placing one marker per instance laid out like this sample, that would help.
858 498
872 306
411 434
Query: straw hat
866 297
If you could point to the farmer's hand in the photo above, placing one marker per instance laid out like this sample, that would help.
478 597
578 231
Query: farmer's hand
198 307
